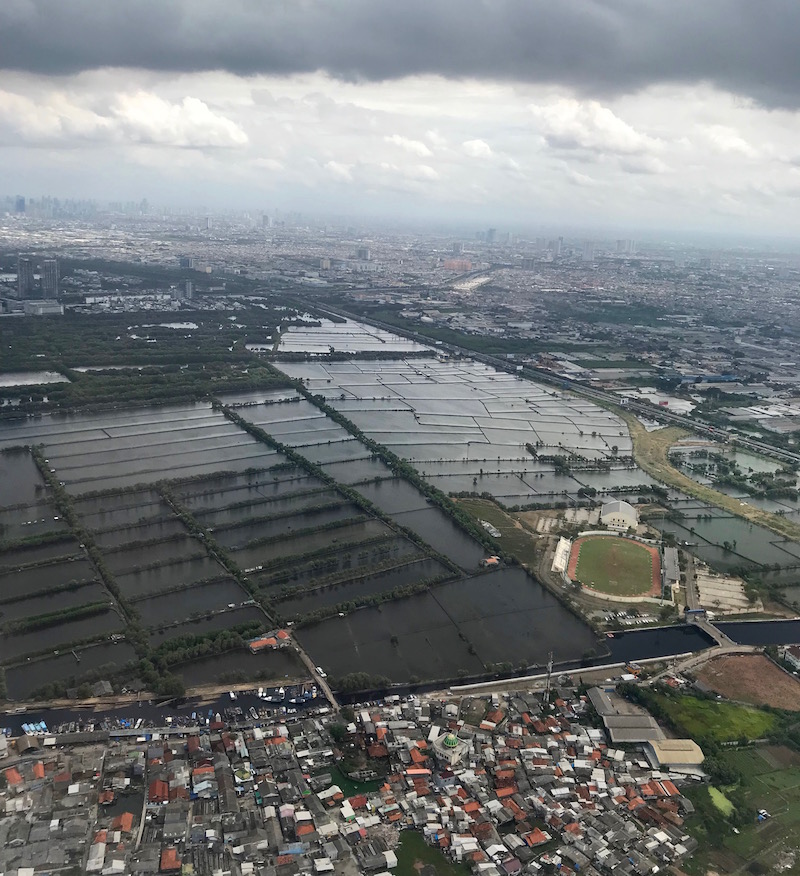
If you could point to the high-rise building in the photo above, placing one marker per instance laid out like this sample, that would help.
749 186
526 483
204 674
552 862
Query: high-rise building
491 234
626 247
188 262
458 248
19 204
363 253
529 264
24 277
50 278
588 251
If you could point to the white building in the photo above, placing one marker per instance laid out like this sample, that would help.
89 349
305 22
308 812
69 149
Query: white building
449 749
620 516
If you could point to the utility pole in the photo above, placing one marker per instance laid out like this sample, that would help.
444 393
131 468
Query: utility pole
546 692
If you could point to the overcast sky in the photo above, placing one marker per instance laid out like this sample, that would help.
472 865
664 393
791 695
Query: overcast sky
676 114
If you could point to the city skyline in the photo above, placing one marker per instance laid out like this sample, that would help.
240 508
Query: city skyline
581 114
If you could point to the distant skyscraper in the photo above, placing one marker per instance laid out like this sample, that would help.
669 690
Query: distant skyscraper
187 262
50 278
19 204
363 253
209 223
24 277
188 290
588 252
458 248
491 234
529 264
626 247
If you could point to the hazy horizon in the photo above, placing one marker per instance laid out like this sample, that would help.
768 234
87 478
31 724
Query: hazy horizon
640 116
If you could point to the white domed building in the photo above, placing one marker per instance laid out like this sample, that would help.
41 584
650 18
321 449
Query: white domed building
449 749
620 516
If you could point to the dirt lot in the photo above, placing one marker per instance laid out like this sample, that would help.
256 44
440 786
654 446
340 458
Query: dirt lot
752 678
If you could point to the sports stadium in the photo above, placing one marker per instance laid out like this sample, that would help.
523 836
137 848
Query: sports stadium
612 565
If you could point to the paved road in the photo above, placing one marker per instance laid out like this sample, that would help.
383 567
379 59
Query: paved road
704 656
318 679
692 597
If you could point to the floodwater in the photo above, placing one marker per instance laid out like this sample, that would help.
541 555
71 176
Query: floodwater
31 378
299 545
33 674
36 605
783 632
456 627
393 496
168 576
339 564
240 536
20 481
241 666
184 604
355 588
444 536
38 578
225 620
14 646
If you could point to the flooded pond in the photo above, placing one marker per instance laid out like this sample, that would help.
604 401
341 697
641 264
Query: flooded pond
443 535
460 626
266 508
393 496
30 378
168 576
36 605
29 676
341 564
240 536
183 547
354 588
299 545
783 632
196 600
20 644
20 481
38 578
240 666
225 620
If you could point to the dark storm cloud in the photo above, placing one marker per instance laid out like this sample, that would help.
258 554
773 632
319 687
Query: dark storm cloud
615 46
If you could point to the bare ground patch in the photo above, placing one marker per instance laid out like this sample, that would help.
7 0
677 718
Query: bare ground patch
752 678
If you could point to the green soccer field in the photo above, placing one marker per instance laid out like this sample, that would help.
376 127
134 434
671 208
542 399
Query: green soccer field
615 565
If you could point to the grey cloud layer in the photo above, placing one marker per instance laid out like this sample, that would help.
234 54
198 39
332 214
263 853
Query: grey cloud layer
608 47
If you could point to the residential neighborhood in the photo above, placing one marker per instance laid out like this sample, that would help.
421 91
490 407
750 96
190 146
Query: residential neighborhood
498 783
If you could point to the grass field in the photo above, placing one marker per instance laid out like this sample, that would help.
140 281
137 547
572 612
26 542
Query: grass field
613 565
720 801
514 539
415 856
770 780
711 719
